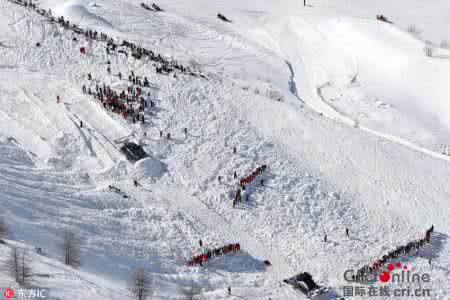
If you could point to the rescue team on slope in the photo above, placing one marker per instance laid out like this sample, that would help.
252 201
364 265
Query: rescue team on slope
110 99
247 180
210 253
130 104
409 248
165 66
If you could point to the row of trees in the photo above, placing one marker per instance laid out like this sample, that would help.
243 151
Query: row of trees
140 284
19 263
141 287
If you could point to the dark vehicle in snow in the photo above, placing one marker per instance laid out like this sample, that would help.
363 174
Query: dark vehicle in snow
133 151
153 8
223 18
156 7
383 19
143 5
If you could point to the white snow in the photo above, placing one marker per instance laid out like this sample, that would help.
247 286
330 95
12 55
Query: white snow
360 140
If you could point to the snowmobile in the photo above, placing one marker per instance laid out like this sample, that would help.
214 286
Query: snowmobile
145 6
156 7
223 18
383 19
305 284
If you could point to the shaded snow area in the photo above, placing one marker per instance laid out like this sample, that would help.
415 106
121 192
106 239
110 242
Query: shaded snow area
349 114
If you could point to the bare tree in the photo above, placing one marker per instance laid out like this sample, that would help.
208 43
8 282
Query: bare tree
140 284
3 231
26 272
191 292
428 50
13 264
19 266
72 249
412 29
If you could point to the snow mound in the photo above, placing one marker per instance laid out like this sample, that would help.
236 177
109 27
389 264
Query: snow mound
149 167
77 13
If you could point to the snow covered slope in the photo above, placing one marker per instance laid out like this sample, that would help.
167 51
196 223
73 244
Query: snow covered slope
355 142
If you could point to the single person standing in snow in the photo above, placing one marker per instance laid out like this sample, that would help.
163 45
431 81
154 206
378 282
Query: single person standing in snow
346 231
81 124
229 290
200 242
325 238
234 175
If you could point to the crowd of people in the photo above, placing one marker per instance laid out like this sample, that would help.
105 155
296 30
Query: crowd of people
210 253
164 65
399 251
129 104
247 180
